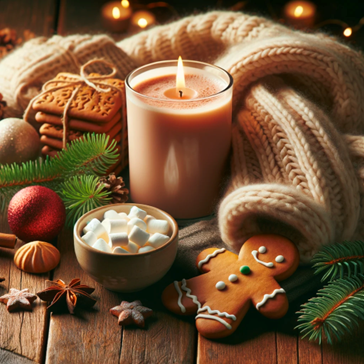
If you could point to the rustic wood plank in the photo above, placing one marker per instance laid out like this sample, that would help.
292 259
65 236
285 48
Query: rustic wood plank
309 352
8 357
349 350
37 16
23 333
253 342
94 335
90 336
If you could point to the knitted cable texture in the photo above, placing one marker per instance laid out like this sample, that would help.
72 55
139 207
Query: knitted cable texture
297 163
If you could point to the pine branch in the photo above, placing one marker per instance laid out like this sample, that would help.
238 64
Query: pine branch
335 311
339 260
91 155
82 194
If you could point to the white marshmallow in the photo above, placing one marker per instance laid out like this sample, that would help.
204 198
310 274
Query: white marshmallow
124 216
146 249
148 218
157 226
115 226
118 239
89 238
96 227
135 211
132 247
138 236
157 240
135 221
119 250
102 245
112 215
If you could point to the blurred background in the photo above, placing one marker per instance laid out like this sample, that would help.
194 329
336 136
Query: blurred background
24 19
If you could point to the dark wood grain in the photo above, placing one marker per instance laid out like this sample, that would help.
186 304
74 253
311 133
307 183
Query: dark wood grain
23 333
309 352
38 16
253 342
89 336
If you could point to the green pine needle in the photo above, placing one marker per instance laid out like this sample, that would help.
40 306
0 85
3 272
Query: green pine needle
82 194
91 156
339 260
335 311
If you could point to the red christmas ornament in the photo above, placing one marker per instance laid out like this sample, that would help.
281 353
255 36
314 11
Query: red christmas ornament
36 213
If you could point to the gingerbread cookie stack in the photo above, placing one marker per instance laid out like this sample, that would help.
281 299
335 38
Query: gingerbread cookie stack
89 111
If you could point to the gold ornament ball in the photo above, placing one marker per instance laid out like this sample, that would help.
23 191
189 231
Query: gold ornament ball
19 141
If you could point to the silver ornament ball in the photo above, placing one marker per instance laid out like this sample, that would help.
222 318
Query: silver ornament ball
19 141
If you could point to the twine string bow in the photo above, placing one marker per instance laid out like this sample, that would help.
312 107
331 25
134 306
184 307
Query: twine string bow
76 80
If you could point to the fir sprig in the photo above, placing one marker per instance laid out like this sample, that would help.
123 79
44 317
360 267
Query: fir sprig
73 174
339 260
335 311
82 194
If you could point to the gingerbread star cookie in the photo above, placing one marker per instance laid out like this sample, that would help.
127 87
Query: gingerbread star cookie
17 300
231 283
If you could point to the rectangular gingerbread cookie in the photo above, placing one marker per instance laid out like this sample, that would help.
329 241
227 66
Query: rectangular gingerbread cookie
56 132
88 104
77 124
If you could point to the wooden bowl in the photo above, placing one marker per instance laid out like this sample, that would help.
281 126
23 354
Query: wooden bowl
129 272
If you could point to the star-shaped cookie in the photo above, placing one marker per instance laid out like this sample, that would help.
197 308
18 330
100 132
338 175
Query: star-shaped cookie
18 300
131 312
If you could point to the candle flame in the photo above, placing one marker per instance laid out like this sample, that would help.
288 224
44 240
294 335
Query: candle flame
348 32
125 3
298 11
116 12
180 79
142 22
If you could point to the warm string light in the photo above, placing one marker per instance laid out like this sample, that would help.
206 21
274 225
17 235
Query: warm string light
298 11
142 22
125 4
348 32
116 12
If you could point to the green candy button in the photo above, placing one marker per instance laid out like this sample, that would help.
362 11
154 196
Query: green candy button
244 269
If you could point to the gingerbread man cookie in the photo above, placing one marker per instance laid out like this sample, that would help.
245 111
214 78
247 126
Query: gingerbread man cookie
231 283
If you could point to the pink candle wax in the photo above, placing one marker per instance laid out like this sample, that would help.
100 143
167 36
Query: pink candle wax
178 142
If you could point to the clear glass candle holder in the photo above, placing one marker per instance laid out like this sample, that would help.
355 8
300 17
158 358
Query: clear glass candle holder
178 147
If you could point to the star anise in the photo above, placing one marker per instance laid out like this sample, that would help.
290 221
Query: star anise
131 312
64 295
18 300
116 186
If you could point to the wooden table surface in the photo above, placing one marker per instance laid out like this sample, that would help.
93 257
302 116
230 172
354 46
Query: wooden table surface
94 336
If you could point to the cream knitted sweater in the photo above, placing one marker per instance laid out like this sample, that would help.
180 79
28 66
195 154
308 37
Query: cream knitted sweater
296 166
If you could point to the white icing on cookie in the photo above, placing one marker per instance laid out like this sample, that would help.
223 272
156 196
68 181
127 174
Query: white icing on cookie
267 296
279 258
262 250
213 255
233 277
228 326
255 253
189 295
220 314
176 286
220 285
195 300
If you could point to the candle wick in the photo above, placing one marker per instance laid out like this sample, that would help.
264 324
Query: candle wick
180 93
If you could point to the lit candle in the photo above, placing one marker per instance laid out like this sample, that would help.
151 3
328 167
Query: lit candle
179 130
141 20
300 14
116 16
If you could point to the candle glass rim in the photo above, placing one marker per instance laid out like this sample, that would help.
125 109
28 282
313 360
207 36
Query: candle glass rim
228 86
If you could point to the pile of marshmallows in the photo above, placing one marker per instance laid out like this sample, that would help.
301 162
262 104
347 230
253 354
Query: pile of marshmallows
120 233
